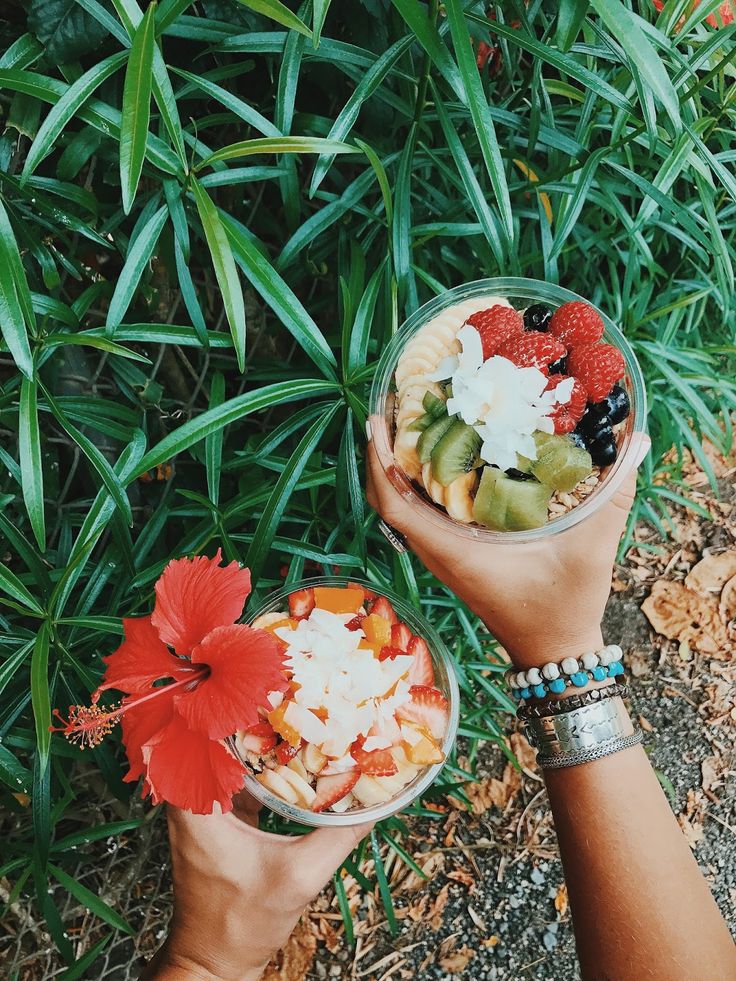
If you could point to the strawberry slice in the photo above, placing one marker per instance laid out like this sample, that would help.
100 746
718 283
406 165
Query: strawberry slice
400 636
428 707
333 788
376 763
388 653
259 739
356 622
382 608
301 603
285 752
421 671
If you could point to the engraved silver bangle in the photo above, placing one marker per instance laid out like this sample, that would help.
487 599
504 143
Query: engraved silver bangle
393 536
590 755
585 728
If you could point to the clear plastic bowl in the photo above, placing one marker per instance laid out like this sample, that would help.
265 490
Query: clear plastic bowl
445 680
520 293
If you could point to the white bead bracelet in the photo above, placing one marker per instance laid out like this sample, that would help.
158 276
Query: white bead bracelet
554 678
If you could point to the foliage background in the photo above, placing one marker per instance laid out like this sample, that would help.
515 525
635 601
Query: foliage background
213 214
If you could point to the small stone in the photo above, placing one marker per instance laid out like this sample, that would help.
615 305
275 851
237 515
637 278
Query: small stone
537 877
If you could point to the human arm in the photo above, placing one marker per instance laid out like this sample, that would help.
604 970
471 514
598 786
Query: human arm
640 905
239 891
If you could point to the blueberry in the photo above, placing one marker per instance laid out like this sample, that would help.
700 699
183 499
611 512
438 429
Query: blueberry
579 440
559 367
518 474
594 418
603 451
617 404
537 317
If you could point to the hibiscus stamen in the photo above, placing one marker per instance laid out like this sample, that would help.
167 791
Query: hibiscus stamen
87 725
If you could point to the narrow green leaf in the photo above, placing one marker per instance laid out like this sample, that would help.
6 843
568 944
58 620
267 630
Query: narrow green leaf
163 334
480 114
67 107
213 442
31 462
321 7
11 585
99 343
570 17
276 144
429 38
264 278
225 269
281 494
279 12
13 773
382 177
16 306
135 262
232 102
136 111
40 695
236 408
342 902
89 900
383 887
357 352
625 27
79 968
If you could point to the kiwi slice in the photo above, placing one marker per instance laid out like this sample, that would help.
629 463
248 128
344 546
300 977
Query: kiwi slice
431 436
560 464
422 422
505 504
433 405
455 453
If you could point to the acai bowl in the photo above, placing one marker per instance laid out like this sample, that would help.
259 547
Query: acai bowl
509 406
371 711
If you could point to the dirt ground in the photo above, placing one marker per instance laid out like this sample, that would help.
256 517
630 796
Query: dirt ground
494 905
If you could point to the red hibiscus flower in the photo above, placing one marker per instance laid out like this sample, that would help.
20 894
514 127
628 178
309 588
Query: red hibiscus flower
725 16
191 676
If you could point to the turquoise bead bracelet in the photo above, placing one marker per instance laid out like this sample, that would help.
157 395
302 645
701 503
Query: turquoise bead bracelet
554 678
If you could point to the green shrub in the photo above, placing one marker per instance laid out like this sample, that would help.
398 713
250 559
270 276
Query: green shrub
211 220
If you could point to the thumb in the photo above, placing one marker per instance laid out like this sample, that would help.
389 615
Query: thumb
323 851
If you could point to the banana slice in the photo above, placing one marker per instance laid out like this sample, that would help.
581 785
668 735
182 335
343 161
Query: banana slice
414 364
435 490
266 619
297 783
405 452
459 497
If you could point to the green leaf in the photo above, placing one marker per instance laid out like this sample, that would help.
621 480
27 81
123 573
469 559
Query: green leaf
213 442
383 886
16 307
281 494
13 773
79 967
67 107
67 31
279 297
321 7
225 269
235 105
429 38
136 111
11 585
135 262
40 695
99 343
480 114
89 900
626 28
570 17
279 12
276 144
31 462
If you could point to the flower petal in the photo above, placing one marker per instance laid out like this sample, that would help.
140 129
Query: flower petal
190 771
245 665
140 660
141 727
194 596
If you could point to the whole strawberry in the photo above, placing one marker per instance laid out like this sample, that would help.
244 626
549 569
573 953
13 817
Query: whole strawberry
496 325
533 350
566 415
597 367
576 323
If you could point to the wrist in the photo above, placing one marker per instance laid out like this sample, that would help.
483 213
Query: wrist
174 964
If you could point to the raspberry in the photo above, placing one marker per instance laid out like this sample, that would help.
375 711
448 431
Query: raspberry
566 415
533 350
496 325
597 367
576 323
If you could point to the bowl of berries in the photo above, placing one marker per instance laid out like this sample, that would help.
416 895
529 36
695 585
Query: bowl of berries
510 406
370 712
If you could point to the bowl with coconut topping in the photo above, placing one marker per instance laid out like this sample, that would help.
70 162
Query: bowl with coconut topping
509 406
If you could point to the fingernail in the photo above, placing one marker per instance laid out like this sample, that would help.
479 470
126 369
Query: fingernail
368 431
645 445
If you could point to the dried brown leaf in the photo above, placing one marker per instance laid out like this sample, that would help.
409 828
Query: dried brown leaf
712 573
679 613
561 900
293 962
457 961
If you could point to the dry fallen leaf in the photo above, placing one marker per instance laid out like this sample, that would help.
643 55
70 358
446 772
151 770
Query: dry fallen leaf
727 606
463 877
679 613
457 961
437 908
712 573
524 753
493 792
691 819
293 962
561 901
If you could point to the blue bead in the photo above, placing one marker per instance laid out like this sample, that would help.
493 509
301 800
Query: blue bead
599 673
579 679
524 693
515 694
557 686
539 691
616 668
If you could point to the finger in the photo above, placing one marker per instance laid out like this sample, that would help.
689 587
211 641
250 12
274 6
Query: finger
388 488
608 523
246 808
626 493
323 851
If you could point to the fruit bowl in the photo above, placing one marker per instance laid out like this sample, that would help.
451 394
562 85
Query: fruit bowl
371 711
510 406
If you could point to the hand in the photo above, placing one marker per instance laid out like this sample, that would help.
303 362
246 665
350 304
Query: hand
238 891
542 600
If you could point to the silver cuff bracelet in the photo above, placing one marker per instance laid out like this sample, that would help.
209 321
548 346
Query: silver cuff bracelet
597 727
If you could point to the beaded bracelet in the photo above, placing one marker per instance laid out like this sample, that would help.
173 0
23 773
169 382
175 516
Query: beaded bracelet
559 706
554 678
